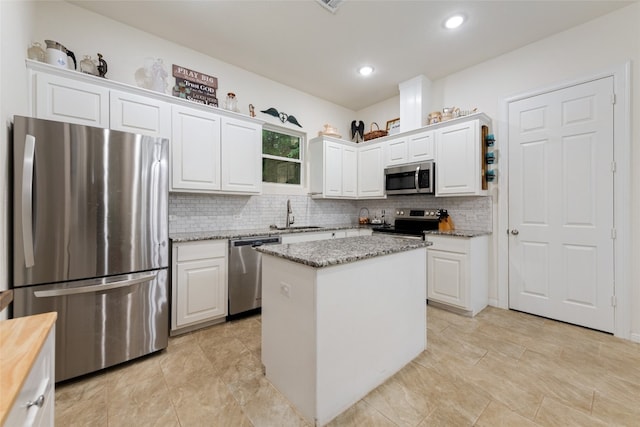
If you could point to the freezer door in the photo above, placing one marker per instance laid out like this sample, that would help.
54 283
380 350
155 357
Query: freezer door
102 322
88 202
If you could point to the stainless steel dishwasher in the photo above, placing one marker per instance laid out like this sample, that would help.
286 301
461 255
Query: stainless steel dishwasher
245 272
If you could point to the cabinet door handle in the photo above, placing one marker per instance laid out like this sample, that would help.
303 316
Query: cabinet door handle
515 232
38 402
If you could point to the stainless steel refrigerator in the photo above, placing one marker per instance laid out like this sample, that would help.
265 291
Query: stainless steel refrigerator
90 240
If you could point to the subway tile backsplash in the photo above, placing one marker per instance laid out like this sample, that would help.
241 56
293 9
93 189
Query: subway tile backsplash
207 212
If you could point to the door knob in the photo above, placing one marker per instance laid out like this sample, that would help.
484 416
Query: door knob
515 232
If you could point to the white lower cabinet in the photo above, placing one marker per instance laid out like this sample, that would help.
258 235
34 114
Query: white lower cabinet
34 404
199 283
458 272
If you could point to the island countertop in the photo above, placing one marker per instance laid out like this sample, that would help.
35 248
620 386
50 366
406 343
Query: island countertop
324 253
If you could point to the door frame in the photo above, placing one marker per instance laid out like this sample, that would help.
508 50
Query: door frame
622 191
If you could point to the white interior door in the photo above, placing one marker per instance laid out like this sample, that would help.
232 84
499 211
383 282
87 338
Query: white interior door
561 205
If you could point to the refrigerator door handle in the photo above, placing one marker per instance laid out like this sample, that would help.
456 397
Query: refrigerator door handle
27 199
95 288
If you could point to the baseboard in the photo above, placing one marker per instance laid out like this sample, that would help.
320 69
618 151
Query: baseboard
635 338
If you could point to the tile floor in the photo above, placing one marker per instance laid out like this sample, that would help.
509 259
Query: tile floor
501 368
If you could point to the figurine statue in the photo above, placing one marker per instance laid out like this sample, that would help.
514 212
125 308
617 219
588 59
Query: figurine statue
102 66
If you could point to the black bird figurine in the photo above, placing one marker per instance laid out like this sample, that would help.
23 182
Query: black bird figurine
284 117
357 131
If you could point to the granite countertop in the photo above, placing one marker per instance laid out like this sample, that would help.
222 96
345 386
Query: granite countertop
458 233
21 340
324 253
233 234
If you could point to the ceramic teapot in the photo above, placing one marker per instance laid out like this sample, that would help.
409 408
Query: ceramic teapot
56 54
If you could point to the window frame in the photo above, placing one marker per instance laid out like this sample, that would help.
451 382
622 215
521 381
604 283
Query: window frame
281 188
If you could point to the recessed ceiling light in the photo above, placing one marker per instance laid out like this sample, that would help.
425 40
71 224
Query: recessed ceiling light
365 70
454 22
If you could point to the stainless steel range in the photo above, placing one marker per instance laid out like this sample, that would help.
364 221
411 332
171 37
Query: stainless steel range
411 223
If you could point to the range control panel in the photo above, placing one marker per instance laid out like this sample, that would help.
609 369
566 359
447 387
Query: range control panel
418 213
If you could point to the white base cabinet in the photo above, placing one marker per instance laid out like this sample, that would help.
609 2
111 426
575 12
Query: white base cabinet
331 335
199 283
35 402
458 272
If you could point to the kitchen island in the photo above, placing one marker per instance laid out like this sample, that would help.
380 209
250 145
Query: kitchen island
339 317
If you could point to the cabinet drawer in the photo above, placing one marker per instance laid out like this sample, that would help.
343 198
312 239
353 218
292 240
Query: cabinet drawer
448 243
200 250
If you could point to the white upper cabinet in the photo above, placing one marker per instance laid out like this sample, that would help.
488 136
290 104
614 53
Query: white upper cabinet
371 171
411 148
349 171
139 114
421 146
333 169
68 100
337 169
241 156
195 150
397 151
212 150
459 165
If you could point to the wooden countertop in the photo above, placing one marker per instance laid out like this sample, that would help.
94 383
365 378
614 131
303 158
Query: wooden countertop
21 340
6 297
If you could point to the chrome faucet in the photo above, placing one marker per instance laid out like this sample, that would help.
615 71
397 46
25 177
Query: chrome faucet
290 217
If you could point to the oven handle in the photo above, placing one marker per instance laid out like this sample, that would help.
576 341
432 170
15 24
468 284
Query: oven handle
95 288
417 178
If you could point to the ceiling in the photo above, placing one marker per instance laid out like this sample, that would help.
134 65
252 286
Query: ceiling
303 45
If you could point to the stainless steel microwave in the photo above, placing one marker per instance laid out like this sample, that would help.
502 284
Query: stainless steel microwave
415 178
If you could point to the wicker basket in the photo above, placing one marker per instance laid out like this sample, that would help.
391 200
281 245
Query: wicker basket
372 134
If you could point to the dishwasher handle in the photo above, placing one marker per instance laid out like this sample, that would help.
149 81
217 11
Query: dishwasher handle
256 241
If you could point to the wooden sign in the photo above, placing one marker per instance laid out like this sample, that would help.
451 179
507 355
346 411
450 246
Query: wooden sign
194 76
195 86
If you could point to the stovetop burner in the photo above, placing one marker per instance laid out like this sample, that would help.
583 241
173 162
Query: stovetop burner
412 222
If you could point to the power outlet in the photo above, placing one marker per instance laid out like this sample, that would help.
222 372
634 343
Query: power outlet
285 290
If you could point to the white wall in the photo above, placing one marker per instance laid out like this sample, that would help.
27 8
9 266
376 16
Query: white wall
579 52
125 48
